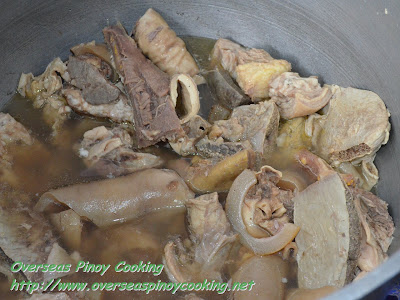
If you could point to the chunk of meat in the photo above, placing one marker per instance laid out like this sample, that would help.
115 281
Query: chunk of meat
109 201
211 239
255 78
160 43
256 123
44 91
266 208
230 55
216 175
352 129
377 229
85 74
109 152
225 89
329 238
13 132
25 235
219 148
120 111
267 273
253 69
195 129
147 88
296 96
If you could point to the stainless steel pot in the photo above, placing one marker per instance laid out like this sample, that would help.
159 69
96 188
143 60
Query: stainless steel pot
350 43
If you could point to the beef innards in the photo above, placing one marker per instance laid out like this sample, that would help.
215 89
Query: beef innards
229 169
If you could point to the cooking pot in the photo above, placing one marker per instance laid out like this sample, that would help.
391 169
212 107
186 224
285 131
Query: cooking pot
350 43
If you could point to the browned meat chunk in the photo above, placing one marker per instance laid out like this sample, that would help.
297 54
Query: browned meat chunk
147 88
160 43
219 148
109 152
85 73
296 96
211 239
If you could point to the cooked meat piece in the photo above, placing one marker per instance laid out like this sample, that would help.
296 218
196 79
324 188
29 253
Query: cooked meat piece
266 208
253 69
120 111
329 238
220 149
377 229
25 235
225 89
296 96
267 273
147 88
13 132
352 129
230 55
256 123
255 78
216 175
218 112
160 43
86 76
104 63
365 174
44 90
211 239
355 126
109 152
109 201
194 129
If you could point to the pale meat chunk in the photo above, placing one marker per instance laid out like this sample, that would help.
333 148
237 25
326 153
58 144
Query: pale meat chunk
13 132
230 55
253 69
211 239
119 111
355 126
377 229
328 241
160 43
27 236
296 96
255 123
44 91
109 152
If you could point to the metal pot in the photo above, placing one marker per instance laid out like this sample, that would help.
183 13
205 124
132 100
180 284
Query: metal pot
349 43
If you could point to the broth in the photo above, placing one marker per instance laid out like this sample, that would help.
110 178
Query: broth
54 164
